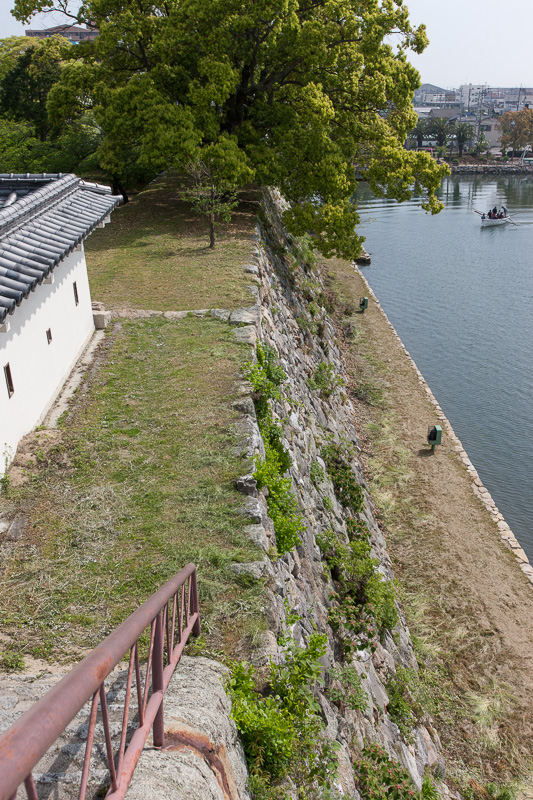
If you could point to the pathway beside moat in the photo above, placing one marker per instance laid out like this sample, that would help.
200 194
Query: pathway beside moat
466 596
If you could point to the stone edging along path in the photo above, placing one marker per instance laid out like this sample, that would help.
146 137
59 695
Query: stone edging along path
478 488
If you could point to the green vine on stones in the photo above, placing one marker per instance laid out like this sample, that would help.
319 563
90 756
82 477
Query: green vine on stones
363 606
348 491
280 724
267 376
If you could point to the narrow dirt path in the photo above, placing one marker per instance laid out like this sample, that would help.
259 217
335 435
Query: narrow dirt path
465 595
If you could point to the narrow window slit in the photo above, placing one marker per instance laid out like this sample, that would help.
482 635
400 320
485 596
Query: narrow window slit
9 380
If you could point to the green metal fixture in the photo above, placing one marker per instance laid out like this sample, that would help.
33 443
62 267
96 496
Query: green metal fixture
363 304
434 436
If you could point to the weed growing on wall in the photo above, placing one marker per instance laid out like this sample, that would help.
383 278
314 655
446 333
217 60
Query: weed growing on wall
399 689
325 380
267 376
280 724
316 473
281 500
363 606
378 777
337 457
346 688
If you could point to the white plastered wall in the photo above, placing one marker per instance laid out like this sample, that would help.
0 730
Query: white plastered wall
38 368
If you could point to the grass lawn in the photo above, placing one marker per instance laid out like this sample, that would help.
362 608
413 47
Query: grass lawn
139 484
155 254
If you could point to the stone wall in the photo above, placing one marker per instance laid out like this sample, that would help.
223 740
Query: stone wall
303 339
492 169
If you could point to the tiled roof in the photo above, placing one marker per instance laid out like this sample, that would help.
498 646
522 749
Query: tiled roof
42 219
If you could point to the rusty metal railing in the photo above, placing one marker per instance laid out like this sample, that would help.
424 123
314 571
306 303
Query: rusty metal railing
172 615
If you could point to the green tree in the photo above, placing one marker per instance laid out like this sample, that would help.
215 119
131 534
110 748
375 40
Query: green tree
419 132
307 91
464 132
17 146
517 129
482 145
10 50
215 178
441 129
24 87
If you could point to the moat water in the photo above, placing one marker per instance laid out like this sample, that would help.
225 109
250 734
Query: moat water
461 299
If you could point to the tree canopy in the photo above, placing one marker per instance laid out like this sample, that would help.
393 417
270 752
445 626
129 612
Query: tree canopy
294 93
517 129
464 132
25 86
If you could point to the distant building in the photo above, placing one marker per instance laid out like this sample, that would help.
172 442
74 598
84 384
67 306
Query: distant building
430 95
46 317
489 128
470 95
73 33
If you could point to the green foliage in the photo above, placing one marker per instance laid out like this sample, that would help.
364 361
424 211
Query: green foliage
350 692
265 726
430 792
304 252
304 90
363 606
25 87
347 489
378 777
216 177
11 661
328 505
357 531
281 500
464 132
516 128
281 727
316 473
399 688
501 791
325 379
266 376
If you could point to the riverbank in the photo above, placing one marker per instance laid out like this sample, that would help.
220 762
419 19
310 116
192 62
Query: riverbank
468 603
491 169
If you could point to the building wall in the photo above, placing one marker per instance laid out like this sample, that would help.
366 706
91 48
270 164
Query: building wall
38 368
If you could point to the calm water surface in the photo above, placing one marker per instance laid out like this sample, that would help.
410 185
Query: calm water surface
461 299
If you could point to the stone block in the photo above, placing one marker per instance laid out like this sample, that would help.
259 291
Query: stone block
101 319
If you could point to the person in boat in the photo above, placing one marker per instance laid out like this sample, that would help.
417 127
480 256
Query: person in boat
489 215
494 211
504 211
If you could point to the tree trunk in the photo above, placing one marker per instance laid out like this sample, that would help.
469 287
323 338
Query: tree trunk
212 218
118 188
212 230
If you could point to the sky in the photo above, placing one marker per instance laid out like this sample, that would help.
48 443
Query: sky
471 41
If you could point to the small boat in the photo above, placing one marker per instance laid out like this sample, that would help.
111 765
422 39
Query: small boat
490 222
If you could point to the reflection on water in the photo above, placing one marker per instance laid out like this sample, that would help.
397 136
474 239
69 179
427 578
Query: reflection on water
461 298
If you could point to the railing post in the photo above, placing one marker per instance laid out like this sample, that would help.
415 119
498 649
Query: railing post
157 679
197 628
